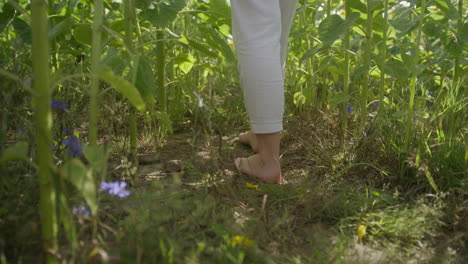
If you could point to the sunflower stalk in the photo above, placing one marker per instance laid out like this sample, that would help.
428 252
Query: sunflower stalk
43 123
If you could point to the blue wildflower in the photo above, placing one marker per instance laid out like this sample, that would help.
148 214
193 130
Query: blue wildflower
116 188
430 93
67 131
376 103
75 148
81 211
22 130
59 105
349 109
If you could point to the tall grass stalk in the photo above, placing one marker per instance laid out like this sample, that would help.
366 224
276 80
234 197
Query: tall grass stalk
367 64
344 117
43 122
95 68
457 67
415 54
383 55
129 19
160 62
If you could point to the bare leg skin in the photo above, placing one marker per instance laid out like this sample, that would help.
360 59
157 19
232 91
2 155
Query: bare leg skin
249 138
265 164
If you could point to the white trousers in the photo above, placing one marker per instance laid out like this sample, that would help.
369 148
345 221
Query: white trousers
260 31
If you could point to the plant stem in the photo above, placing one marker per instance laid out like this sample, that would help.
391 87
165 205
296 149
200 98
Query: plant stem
43 120
383 56
128 16
160 62
95 68
367 62
344 117
415 54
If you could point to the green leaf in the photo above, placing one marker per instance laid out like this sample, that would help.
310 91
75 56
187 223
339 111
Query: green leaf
6 16
217 41
23 30
397 69
358 5
338 99
75 172
124 87
83 33
161 12
18 151
61 27
185 62
198 46
221 9
432 29
145 78
404 21
333 27
447 7
96 156
114 61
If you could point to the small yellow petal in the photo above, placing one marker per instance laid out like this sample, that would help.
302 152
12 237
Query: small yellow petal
242 241
361 232
251 186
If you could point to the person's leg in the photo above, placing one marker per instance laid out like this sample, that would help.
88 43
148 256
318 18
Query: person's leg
257 31
288 10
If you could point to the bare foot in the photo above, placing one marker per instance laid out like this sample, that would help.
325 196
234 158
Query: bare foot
250 139
255 166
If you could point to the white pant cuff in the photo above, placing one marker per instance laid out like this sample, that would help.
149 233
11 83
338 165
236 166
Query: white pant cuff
267 128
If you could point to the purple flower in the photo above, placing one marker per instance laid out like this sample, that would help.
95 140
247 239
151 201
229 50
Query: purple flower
67 131
74 146
59 105
430 93
349 109
376 103
116 188
81 211
22 130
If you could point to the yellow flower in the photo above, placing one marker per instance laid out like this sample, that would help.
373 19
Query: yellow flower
361 232
241 241
251 186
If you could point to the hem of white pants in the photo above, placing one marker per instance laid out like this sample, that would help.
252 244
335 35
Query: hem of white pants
267 128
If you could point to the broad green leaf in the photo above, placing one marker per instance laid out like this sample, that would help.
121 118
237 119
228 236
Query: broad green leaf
338 99
18 151
124 87
404 21
464 33
114 61
75 172
358 5
96 156
333 27
447 7
145 78
83 33
397 69
221 9
198 46
432 29
6 16
61 27
217 41
185 62
160 12
23 30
